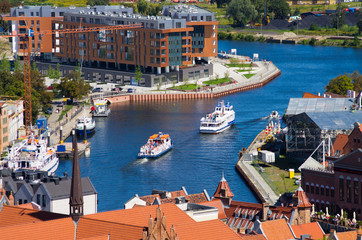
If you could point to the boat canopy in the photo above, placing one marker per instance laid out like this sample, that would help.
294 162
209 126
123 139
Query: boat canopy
154 136
165 136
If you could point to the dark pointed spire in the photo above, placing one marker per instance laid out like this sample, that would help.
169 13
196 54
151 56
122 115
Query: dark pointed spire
76 194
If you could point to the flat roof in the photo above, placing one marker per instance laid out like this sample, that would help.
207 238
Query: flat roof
300 105
184 8
335 120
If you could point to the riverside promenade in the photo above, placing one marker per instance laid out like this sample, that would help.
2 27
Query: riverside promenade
264 72
252 176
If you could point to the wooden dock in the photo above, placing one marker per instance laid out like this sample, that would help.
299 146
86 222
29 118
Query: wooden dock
68 153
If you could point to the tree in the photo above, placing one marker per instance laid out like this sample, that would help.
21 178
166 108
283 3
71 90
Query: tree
340 85
241 11
234 61
5 64
73 86
296 12
142 7
5 6
138 74
220 3
338 18
97 2
279 8
359 25
356 80
17 65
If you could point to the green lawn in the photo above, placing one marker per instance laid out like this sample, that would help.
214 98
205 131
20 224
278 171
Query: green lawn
245 70
67 108
217 81
190 86
239 65
249 75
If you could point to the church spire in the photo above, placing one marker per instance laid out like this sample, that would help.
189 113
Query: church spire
76 194
223 192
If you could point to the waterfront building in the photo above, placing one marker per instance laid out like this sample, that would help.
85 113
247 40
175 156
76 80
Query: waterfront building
337 185
16 118
159 197
168 49
4 127
313 118
50 192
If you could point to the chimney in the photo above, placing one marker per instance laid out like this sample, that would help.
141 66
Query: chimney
264 211
76 197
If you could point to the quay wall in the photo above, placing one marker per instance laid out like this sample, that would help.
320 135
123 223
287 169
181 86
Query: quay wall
250 183
183 96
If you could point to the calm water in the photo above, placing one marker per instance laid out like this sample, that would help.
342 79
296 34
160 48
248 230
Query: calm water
197 161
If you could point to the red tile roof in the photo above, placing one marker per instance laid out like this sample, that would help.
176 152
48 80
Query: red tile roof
339 144
351 235
252 237
311 95
302 198
177 193
277 230
217 204
223 190
149 199
30 206
313 229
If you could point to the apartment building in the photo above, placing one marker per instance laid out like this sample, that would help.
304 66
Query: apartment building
167 48
4 127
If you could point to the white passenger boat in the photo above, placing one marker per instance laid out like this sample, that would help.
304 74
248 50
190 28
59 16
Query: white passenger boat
31 153
221 119
100 108
87 122
156 145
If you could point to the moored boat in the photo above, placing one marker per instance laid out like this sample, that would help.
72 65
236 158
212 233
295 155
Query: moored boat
100 108
85 122
219 120
274 114
33 154
157 145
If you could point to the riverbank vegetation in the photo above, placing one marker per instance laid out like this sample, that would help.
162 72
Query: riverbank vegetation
347 81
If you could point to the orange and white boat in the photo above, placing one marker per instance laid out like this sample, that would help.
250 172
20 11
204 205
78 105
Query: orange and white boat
157 145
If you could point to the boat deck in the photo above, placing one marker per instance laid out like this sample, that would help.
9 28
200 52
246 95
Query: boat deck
68 153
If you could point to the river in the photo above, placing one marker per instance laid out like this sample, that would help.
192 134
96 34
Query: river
198 161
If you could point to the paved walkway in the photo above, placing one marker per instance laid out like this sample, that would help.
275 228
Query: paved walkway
68 122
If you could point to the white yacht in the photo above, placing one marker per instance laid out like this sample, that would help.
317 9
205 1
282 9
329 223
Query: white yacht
156 145
219 120
87 122
100 108
274 114
31 153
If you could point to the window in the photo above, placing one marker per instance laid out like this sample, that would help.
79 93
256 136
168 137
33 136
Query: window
322 190
5 120
152 60
349 190
20 201
25 201
32 14
38 199
37 14
163 60
163 51
214 50
208 18
5 130
317 189
307 188
162 26
44 200
312 189
327 192
164 79
178 25
193 18
355 190
341 189
156 80
5 139
332 192
163 44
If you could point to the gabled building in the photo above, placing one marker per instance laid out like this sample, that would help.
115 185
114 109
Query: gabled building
337 186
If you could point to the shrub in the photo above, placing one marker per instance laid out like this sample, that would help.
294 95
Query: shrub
313 42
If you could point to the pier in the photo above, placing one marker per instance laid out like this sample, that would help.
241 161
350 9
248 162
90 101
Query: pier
252 176
68 153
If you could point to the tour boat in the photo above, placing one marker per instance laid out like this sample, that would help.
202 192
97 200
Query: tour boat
221 119
87 122
100 108
31 153
156 145
274 114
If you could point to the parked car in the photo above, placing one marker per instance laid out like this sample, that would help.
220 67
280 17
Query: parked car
130 90
117 90
49 110
97 90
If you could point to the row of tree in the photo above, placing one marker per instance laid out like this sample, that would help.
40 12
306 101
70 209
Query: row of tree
342 83
245 11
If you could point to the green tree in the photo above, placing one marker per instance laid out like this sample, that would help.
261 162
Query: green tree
356 80
296 12
138 74
279 8
359 25
340 85
142 7
73 86
241 11
221 3
17 65
5 6
97 2
5 64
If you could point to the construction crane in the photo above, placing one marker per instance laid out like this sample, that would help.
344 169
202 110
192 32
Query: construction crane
27 49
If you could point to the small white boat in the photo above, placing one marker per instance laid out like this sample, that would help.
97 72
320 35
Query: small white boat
219 120
33 154
100 108
87 122
157 145
274 114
